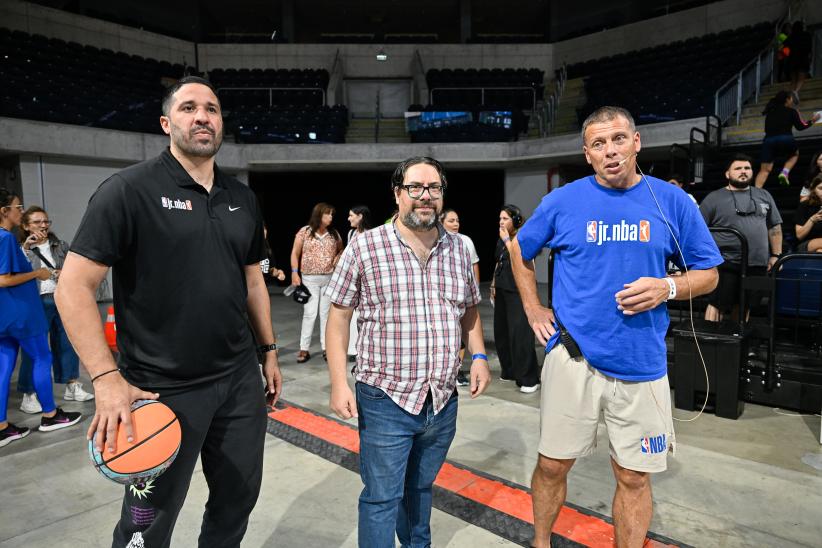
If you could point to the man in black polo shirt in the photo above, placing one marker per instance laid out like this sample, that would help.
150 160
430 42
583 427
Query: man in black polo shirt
184 241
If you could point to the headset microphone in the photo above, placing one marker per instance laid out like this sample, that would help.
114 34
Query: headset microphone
622 162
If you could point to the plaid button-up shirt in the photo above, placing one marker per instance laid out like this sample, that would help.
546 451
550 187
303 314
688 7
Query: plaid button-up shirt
409 313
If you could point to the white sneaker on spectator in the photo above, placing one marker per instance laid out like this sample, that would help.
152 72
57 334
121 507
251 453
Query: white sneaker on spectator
31 404
529 389
75 392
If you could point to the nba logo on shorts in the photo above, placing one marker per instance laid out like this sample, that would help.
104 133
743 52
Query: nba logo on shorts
591 232
644 231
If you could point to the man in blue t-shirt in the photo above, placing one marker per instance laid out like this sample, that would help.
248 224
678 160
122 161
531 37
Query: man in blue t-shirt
612 234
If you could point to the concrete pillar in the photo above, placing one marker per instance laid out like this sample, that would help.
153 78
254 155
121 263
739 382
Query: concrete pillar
465 21
289 27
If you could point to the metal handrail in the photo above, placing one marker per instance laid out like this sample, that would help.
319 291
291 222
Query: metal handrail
771 374
271 91
482 92
730 96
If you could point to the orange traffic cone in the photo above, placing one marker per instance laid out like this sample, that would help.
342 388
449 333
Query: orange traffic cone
111 330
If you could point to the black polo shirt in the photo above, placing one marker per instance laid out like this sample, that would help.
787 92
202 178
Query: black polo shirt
177 255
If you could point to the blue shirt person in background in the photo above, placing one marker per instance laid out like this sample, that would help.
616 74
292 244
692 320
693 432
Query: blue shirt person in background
612 234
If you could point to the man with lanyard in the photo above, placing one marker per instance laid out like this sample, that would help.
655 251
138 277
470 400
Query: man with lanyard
184 241
611 235
412 284
753 212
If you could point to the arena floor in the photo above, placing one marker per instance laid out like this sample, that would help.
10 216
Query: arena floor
731 484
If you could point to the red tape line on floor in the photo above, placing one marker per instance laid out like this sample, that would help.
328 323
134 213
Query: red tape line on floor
571 524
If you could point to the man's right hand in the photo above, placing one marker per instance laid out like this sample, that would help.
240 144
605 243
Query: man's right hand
295 279
541 320
342 402
43 274
114 396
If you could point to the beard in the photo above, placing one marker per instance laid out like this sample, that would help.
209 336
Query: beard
189 145
413 221
742 185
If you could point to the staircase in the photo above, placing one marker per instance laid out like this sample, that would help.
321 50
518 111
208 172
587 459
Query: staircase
751 127
573 97
362 130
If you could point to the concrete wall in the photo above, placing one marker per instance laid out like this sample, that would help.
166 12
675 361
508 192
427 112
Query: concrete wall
680 25
525 187
63 187
360 59
35 19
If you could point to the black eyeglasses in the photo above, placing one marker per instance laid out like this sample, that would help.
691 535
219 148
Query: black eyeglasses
753 204
416 191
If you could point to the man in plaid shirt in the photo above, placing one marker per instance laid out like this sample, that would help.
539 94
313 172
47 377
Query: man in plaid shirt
413 286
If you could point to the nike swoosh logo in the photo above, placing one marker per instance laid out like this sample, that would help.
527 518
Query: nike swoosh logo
233 208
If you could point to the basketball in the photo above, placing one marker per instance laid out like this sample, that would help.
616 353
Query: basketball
156 442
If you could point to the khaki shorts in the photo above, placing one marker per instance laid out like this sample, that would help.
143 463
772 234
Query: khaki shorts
637 414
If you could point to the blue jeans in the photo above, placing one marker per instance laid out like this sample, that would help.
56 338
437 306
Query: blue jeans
66 365
400 456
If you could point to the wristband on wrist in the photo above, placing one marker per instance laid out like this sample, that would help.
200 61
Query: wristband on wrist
295 270
94 378
506 239
775 255
671 288
263 348
479 356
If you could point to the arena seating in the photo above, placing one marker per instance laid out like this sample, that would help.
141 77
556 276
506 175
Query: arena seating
52 80
65 82
672 81
485 78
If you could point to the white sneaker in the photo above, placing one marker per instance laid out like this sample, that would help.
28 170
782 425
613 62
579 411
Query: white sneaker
31 404
75 392
529 389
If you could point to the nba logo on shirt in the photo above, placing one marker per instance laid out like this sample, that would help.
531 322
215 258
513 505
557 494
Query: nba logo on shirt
165 201
188 205
591 232
644 231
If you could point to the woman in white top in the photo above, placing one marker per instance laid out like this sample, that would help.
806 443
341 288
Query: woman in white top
44 249
451 222
359 217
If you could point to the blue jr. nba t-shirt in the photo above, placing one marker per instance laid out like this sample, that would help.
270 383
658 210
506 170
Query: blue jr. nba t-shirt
602 239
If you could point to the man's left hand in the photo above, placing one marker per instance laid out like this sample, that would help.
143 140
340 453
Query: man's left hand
273 378
642 295
771 262
480 377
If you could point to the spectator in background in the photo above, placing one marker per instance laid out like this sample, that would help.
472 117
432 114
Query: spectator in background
679 181
814 170
752 211
451 222
267 265
317 247
781 115
782 53
799 43
44 249
23 324
359 217
512 332
809 220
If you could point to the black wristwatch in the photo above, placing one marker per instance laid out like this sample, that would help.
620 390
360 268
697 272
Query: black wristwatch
263 348
775 255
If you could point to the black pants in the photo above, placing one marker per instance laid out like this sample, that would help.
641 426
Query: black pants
515 339
224 422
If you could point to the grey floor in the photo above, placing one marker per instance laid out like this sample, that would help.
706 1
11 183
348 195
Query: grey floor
731 484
